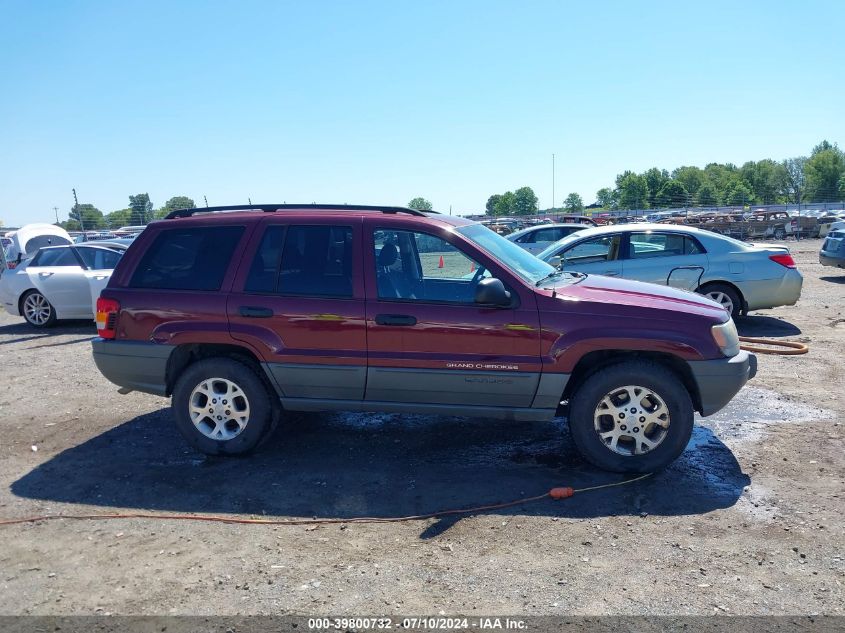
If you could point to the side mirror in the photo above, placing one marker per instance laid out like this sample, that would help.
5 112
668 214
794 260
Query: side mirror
491 292
556 261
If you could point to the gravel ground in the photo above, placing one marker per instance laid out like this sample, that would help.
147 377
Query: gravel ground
748 521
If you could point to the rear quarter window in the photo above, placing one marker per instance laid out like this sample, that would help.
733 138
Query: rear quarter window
194 258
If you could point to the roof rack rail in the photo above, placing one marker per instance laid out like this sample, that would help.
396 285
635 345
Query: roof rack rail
272 208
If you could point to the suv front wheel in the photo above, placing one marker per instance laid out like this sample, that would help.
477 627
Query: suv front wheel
631 417
222 407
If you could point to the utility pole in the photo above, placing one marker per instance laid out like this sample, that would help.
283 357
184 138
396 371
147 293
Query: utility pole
76 208
553 182
56 209
206 201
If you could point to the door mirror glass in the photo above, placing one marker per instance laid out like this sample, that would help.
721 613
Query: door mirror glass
491 292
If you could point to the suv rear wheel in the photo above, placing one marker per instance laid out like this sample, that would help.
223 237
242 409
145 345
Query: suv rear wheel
222 407
631 417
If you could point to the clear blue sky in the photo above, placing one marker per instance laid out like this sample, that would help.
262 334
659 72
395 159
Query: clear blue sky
379 102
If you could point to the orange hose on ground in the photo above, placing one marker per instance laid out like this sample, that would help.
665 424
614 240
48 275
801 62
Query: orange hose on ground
554 493
790 348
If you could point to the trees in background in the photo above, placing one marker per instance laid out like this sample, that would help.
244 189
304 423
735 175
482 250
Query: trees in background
141 209
819 178
523 201
176 202
84 215
573 203
420 204
632 191
823 173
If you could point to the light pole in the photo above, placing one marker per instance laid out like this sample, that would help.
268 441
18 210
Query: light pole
553 183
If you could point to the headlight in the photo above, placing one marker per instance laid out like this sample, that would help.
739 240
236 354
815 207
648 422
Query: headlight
726 338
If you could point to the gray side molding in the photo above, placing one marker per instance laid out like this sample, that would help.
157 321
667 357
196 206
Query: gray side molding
497 413
550 391
462 387
341 382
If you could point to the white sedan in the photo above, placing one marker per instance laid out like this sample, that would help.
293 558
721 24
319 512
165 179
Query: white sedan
59 282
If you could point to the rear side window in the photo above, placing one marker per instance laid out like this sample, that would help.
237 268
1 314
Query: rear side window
98 258
187 258
297 260
54 257
649 245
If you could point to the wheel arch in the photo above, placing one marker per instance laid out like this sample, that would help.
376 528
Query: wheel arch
716 282
594 361
187 354
22 296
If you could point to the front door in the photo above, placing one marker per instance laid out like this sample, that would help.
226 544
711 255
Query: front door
428 341
300 302
594 256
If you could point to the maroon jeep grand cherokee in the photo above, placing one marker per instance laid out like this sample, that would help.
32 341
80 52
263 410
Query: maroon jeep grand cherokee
243 313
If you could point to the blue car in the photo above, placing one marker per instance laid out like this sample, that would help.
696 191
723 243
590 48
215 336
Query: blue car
833 250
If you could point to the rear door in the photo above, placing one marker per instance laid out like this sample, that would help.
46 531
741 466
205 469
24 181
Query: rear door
299 301
653 256
99 264
428 341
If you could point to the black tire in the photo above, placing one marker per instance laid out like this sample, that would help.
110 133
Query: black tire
650 376
780 233
715 289
32 319
261 409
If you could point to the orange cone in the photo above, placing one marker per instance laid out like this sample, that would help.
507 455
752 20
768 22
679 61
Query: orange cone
440 265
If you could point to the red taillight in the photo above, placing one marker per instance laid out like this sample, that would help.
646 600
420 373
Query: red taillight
107 310
12 265
784 259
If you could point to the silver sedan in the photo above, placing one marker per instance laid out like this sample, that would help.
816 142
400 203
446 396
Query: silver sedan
738 275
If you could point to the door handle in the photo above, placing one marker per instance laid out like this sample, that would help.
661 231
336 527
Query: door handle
610 273
395 319
254 312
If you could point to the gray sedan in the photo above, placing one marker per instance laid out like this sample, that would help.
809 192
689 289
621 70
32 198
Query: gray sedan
738 275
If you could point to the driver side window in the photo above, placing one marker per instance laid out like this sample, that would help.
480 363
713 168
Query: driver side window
597 249
415 266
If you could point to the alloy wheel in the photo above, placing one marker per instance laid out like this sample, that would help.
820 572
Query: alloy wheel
631 420
219 409
722 299
36 309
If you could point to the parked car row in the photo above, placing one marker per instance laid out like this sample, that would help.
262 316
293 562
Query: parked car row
48 278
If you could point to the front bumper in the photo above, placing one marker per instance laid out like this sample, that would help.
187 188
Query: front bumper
719 380
837 261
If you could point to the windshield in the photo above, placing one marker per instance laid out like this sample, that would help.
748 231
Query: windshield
555 248
514 257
